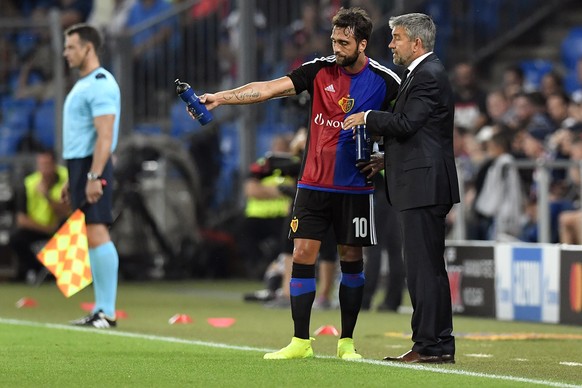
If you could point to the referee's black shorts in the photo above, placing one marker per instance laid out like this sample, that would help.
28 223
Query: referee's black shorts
350 215
97 213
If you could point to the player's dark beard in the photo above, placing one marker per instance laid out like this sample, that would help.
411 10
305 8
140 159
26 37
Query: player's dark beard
348 60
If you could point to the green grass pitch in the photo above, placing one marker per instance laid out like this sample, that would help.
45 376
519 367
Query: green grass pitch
38 348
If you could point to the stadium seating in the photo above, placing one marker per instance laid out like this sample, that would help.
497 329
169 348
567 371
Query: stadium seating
9 141
572 48
229 142
571 82
485 15
17 113
263 145
181 123
266 131
17 118
440 11
229 171
534 70
43 124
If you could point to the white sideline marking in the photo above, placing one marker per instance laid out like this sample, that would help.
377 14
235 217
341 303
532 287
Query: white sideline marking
479 355
567 363
434 369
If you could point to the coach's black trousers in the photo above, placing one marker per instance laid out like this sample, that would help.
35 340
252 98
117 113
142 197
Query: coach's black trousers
423 235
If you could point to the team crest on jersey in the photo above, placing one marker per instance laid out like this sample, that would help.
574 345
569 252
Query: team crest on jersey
346 104
294 224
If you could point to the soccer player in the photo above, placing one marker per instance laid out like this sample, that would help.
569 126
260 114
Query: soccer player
90 129
332 192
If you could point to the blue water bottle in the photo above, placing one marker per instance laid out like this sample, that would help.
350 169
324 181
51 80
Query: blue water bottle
362 144
197 108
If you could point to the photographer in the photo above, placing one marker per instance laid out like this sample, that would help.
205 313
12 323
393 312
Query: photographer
269 191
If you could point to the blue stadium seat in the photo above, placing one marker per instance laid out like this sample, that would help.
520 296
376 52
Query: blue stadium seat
440 12
17 113
265 134
571 82
572 48
534 70
229 143
181 122
229 170
9 141
485 17
226 184
272 111
43 124
263 145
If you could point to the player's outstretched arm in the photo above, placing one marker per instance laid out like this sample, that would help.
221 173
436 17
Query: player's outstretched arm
250 93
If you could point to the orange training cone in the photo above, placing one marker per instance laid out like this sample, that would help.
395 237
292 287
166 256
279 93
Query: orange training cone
221 322
87 306
180 319
327 330
26 302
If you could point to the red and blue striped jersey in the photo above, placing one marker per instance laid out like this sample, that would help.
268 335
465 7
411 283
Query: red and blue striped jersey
329 162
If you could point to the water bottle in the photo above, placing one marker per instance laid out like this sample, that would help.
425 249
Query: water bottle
193 101
362 144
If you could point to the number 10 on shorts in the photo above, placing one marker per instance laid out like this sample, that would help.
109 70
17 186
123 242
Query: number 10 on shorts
361 227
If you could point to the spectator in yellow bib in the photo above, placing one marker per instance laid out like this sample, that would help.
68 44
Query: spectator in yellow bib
39 212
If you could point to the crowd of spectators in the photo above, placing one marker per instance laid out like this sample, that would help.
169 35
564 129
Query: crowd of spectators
508 119
515 121
26 71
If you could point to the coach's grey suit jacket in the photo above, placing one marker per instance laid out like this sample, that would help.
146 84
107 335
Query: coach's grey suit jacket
419 160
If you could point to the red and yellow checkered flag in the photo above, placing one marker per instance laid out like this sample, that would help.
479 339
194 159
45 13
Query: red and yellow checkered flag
66 255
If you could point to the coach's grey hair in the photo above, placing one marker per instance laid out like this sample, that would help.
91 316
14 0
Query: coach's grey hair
416 25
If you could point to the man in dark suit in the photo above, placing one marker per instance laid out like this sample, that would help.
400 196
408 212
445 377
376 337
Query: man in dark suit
421 180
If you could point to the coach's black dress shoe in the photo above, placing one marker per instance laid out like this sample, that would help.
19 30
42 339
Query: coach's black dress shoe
413 357
448 358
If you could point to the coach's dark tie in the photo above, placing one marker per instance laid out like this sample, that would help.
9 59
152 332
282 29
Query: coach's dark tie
404 79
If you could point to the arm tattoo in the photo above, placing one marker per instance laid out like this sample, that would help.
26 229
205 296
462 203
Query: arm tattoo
246 95
252 95
287 92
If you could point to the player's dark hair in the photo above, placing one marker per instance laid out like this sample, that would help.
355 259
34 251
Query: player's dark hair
355 18
86 33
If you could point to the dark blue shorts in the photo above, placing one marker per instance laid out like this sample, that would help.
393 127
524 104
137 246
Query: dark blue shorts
97 213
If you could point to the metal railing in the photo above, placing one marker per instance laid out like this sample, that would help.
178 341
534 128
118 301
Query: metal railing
542 172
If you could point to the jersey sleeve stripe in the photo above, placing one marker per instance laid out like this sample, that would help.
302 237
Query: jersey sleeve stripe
384 69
